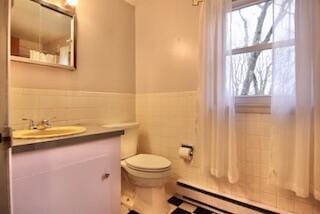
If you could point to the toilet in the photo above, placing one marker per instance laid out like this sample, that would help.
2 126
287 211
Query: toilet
144 170
146 173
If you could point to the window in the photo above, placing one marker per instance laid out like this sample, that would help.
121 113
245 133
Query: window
252 48
252 36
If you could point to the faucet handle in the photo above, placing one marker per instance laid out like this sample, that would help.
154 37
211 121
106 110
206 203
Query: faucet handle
50 120
46 123
31 123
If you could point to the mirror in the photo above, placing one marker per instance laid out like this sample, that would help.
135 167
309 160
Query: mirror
42 33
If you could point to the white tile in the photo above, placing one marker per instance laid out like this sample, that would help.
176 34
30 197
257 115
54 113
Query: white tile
171 208
188 207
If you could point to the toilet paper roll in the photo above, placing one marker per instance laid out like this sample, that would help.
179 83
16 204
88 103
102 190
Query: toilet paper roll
185 153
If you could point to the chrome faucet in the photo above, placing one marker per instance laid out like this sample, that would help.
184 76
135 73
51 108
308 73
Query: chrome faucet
31 123
42 125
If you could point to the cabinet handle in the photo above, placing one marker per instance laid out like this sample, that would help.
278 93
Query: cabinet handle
105 176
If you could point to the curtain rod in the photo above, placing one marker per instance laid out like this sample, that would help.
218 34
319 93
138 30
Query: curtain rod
197 2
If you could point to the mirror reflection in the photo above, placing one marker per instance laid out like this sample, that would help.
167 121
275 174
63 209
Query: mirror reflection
41 34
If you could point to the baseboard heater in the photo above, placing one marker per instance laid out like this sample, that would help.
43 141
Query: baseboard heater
215 201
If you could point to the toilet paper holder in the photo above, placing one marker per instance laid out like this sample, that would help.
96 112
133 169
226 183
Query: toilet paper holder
188 146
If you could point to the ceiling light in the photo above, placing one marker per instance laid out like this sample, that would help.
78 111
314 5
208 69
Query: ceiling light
72 3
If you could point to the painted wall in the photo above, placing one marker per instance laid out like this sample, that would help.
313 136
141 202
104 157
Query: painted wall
105 54
101 90
166 45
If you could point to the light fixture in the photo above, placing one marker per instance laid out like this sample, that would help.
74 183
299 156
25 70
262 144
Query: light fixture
196 2
72 3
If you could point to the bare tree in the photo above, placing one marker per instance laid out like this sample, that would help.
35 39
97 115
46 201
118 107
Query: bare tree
239 65
258 77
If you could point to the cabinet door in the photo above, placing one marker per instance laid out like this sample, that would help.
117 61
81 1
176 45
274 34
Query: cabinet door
81 188
89 185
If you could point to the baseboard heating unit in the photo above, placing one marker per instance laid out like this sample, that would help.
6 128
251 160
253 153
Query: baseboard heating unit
220 203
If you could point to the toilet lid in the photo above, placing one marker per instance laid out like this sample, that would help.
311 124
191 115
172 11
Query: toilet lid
147 162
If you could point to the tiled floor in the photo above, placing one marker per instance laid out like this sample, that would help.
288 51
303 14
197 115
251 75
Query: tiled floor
181 207
178 206
133 212
125 210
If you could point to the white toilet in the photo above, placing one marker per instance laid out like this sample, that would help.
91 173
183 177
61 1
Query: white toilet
146 172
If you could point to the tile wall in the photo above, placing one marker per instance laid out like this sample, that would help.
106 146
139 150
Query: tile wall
161 137
158 136
65 107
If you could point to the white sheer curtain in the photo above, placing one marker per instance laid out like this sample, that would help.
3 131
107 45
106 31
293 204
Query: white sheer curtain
217 112
295 97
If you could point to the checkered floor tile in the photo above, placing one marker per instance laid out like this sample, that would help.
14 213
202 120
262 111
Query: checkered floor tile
133 212
181 207
178 206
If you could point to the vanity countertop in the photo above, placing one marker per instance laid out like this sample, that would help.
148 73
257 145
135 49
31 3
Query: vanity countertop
93 132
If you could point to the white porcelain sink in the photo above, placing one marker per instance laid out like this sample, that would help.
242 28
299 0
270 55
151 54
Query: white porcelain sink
58 131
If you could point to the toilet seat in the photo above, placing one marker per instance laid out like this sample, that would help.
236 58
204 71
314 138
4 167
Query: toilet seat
148 163
147 170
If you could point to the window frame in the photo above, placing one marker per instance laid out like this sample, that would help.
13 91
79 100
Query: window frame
251 104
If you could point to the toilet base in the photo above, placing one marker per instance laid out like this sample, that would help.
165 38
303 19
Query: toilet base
151 200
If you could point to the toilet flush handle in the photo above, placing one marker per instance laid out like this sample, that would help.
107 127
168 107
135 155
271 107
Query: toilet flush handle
105 176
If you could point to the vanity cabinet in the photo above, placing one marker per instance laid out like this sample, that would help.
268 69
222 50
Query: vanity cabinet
78 178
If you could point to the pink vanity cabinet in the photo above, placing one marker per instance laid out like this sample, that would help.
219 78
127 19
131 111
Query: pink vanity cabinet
74 178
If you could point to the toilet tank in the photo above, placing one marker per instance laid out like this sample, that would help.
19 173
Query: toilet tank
129 141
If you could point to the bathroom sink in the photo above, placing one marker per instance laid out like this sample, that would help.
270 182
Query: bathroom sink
58 131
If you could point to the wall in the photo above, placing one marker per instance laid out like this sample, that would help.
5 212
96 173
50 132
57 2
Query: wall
105 53
166 105
161 137
102 88
166 41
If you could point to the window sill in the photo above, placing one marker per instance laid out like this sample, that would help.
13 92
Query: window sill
253 104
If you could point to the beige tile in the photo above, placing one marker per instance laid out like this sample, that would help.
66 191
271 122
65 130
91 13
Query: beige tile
286 203
269 199
316 209
265 157
267 187
157 135
285 193
70 107
302 208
